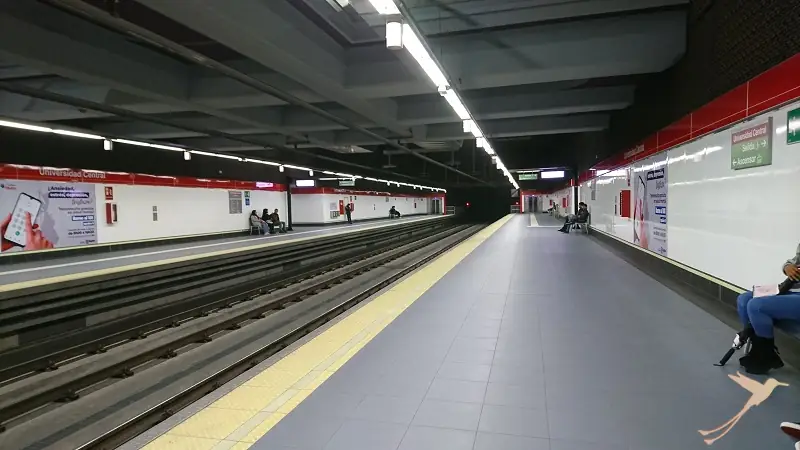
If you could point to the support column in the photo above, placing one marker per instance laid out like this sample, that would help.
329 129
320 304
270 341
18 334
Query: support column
289 203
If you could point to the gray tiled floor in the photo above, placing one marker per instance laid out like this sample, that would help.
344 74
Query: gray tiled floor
539 341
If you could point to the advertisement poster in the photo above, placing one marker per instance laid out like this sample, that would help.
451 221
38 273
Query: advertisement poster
38 215
650 209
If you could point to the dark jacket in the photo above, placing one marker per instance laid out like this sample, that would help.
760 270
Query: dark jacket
583 215
794 262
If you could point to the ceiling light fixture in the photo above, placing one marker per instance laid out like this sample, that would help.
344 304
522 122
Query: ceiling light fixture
414 46
455 103
385 6
108 144
413 43
77 134
468 124
394 33
216 155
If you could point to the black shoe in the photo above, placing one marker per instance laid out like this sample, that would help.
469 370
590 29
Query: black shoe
763 357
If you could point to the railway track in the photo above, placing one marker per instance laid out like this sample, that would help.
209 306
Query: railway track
53 323
103 398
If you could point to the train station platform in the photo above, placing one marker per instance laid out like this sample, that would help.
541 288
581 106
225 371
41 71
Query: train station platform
22 272
519 338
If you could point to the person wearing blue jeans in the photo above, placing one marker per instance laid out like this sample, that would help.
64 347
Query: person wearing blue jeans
758 316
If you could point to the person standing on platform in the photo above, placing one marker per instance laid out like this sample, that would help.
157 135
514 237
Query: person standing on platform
758 315
348 211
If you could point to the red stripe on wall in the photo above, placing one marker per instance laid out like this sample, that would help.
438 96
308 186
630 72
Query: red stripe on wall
35 173
777 86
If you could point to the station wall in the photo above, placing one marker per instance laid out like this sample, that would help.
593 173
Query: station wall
313 205
72 207
179 211
564 198
732 221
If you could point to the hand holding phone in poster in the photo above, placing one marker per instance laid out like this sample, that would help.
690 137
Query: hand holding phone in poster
32 237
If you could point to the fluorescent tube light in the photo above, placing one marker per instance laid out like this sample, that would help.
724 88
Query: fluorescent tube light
24 126
259 161
216 155
414 46
455 103
77 134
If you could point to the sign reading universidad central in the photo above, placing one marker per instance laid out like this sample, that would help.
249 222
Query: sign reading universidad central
752 147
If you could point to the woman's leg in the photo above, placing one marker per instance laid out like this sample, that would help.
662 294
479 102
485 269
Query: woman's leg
741 307
764 311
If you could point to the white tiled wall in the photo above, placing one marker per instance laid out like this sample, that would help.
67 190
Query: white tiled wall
558 197
181 211
736 225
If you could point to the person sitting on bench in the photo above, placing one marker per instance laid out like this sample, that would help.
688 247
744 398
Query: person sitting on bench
276 221
572 219
266 217
256 222
759 314
393 213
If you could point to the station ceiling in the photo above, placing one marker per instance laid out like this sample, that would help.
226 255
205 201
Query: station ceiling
312 82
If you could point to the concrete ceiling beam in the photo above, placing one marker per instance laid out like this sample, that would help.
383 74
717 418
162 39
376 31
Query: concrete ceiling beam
277 36
479 15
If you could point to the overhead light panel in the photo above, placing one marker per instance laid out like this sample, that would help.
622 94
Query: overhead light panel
187 156
385 7
394 33
468 124
480 142
552 174
108 145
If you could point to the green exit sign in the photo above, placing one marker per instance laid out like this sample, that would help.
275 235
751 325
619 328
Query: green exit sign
528 176
793 127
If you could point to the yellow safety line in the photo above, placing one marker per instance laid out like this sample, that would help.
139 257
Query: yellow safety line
240 418
161 262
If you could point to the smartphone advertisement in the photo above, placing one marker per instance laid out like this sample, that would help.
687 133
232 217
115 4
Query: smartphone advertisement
650 207
40 215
